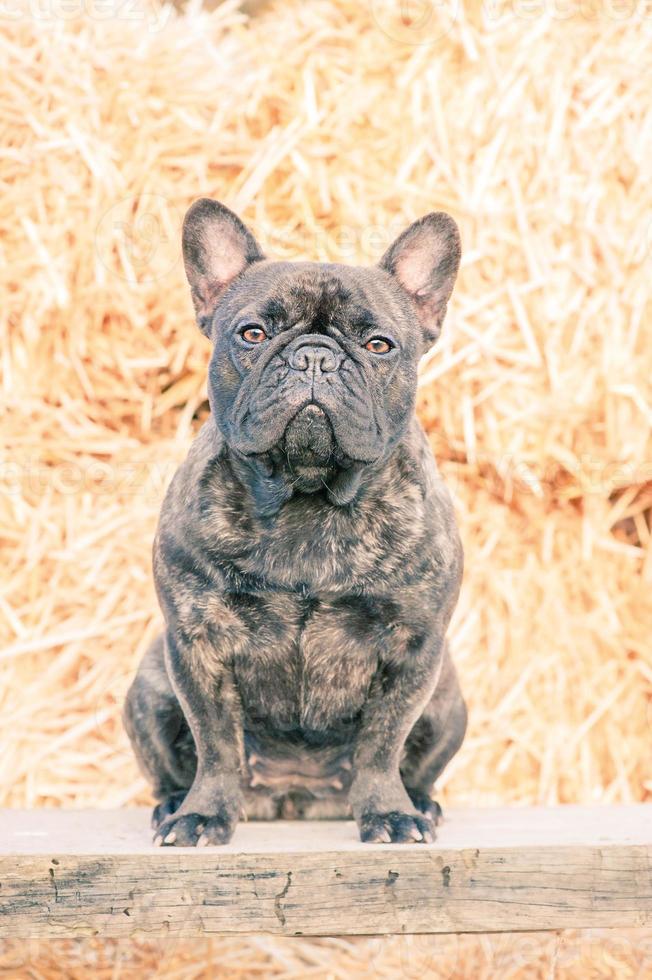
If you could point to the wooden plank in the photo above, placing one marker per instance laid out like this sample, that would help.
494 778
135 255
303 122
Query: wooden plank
77 873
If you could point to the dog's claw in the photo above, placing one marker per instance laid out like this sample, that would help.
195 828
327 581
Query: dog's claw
195 830
395 827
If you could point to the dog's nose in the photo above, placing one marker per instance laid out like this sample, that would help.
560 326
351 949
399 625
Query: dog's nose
318 359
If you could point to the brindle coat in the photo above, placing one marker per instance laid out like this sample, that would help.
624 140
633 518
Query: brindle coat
307 560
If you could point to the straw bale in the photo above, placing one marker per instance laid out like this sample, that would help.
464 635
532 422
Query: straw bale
329 126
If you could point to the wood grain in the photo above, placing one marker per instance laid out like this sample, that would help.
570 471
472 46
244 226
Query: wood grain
77 873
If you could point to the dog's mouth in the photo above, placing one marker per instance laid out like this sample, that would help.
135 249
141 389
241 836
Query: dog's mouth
309 440
306 459
309 451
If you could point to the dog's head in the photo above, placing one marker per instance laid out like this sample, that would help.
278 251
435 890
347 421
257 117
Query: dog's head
314 368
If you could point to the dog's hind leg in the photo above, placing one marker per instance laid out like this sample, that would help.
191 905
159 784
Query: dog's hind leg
159 733
434 740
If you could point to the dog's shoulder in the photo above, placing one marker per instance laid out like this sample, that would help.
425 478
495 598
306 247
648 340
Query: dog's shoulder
180 552
185 495
439 555
417 470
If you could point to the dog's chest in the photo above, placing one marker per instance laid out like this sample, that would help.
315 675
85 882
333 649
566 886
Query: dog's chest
310 664
323 549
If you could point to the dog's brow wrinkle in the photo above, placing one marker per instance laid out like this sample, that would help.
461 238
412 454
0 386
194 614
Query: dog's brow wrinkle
274 311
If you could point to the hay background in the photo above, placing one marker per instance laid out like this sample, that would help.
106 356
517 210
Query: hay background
329 126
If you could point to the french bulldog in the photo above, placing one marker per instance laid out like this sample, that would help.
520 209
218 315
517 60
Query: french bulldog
307 560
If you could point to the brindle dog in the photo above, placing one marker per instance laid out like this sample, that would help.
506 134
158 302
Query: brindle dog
307 560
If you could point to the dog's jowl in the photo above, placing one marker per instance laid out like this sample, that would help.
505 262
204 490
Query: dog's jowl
307 560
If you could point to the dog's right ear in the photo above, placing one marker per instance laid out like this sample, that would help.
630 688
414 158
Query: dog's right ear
217 248
424 260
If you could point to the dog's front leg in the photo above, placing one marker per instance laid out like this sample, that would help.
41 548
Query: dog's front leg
207 694
380 803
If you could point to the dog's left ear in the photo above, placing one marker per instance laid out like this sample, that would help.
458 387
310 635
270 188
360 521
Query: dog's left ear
425 260
217 248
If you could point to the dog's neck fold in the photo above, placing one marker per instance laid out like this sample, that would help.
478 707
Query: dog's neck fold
271 484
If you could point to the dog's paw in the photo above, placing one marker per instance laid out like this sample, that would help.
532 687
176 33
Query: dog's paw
426 805
195 830
167 807
395 827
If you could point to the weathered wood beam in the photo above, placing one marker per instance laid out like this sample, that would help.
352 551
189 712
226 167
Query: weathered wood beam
78 873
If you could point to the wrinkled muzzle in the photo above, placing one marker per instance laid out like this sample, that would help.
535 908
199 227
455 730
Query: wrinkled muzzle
310 397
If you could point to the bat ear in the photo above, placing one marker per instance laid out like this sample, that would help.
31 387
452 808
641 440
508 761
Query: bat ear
217 247
425 259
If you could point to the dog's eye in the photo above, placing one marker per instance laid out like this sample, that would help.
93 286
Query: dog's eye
378 345
253 334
